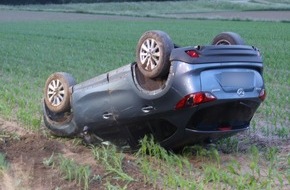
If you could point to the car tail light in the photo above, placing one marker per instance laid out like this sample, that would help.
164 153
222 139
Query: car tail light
262 94
192 53
194 99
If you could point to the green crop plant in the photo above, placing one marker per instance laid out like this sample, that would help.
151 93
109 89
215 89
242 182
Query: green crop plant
72 171
49 161
288 169
3 163
109 186
229 145
112 160
162 168
255 157
282 132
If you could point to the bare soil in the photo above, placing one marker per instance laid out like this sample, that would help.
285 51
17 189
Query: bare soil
245 15
12 15
26 152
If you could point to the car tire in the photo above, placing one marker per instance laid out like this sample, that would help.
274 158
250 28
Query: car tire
153 52
228 38
57 92
60 124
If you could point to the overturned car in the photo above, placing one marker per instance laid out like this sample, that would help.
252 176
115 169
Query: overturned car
180 95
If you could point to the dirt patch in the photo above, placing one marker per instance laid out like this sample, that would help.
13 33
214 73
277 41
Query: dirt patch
245 15
25 157
12 127
12 15
27 151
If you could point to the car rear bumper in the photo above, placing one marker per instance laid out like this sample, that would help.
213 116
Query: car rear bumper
191 137
210 122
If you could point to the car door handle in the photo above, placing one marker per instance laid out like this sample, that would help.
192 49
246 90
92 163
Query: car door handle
107 115
147 109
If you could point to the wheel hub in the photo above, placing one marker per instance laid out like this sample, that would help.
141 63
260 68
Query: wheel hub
55 92
149 54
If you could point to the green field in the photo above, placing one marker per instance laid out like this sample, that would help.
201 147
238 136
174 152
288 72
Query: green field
31 51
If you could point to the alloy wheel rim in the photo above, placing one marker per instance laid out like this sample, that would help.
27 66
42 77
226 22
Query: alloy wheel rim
55 92
150 54
223 42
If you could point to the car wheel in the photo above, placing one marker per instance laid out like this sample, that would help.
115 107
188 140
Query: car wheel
57 92
228 38
153 52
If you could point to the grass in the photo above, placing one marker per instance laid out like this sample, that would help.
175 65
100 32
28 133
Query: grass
166 170
71 170
173 9
89 48
3 163
112 160
153 160
31 51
